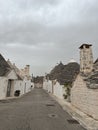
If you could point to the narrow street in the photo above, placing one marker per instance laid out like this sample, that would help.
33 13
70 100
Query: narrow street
35 111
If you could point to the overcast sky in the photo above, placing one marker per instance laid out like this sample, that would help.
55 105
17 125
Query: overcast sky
42 33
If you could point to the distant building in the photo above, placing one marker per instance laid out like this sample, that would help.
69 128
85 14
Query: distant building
38 81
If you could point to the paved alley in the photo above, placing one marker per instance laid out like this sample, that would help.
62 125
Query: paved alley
35 111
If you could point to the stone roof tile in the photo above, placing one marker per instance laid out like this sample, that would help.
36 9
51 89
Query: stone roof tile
4 66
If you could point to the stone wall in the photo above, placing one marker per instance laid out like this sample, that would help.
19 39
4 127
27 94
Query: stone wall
84 98
86 59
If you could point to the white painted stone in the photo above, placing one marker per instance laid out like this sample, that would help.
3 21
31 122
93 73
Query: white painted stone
84 98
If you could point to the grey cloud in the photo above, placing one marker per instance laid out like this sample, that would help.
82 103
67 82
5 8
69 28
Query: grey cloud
11 7
31 33
59 36
88 13
25 3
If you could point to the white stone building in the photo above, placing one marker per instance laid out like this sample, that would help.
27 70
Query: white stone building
7 78
59 76
23 83
84 93
12 83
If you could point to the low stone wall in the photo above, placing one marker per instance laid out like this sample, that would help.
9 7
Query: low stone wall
84 98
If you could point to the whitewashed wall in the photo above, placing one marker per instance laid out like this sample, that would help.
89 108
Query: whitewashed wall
54 87
4 84
19 85
3 87
84 99
58 90
49 86
27 86
45 85
23 85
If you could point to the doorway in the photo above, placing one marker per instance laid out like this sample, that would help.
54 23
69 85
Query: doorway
9 88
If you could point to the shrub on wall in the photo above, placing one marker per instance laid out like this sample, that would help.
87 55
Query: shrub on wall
67 87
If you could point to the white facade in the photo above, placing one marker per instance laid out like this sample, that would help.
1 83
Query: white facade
47 85
11 77
19 85
27 86
4 84
23 85
58 90
12 80
54 87
15 84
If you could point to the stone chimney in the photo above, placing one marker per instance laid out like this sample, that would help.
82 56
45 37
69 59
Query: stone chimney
86 58
27 70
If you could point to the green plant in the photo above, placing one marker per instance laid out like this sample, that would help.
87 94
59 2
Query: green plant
67 87
65 96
